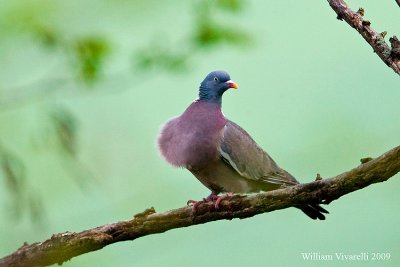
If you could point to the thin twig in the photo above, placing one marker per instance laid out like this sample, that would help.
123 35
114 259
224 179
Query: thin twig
376 40
62 247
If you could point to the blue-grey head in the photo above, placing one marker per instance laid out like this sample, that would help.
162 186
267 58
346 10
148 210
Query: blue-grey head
214 86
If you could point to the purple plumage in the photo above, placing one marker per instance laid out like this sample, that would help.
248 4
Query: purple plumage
184 142
219 152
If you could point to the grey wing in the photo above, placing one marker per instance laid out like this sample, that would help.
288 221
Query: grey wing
243 154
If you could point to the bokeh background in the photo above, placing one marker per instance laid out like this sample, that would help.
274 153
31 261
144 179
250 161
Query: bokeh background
85 86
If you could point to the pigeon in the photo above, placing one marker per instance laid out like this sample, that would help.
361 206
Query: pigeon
218 152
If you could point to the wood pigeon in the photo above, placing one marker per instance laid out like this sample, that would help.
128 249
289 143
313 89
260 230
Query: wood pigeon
218 152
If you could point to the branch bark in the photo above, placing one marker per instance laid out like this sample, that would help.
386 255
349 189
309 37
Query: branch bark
389 55
62 247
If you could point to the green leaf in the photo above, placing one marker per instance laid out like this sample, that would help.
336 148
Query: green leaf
209 33
230 5
90 53
66 128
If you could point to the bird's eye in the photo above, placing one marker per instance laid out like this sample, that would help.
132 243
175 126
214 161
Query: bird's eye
215 79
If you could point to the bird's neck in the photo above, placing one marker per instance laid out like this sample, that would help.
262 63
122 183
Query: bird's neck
206 112
206 95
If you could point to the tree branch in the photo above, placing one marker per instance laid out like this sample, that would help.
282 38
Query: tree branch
391 56
62 247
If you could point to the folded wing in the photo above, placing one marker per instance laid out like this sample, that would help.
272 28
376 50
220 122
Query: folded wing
243 154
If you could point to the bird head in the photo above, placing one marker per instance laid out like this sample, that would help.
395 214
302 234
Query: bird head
214 85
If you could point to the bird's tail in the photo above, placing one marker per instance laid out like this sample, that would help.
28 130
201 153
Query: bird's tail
314 211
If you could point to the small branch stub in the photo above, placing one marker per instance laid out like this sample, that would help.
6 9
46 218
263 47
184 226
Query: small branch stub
361 11
365 160
395 44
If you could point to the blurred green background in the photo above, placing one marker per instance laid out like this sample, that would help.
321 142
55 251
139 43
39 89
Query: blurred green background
85 86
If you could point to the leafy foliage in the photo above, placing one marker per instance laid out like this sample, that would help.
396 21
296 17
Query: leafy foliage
207 33
65 127
86 56
90 53
13 172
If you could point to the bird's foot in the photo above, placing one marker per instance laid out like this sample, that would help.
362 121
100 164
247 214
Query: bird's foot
218 199
211 198
194 204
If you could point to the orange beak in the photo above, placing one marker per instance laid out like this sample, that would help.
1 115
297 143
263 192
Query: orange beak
232 84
